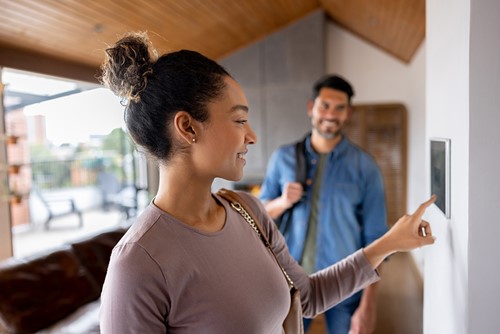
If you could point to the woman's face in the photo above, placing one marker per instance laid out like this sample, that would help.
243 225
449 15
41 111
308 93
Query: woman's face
220 149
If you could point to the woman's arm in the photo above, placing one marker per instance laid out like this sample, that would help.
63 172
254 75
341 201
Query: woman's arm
329 286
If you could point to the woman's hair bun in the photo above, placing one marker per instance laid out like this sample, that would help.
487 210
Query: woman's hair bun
128 64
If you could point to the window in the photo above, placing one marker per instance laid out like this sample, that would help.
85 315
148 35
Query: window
76 169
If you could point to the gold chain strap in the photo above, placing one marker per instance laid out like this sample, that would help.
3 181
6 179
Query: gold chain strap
237 206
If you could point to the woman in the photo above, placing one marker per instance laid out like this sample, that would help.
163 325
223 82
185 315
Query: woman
190 263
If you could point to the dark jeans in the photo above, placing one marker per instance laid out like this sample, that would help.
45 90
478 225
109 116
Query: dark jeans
338 318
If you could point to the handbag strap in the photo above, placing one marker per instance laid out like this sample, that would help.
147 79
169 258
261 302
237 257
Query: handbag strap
239 205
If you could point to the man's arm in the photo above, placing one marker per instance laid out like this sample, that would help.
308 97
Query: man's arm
374 218
364 319
374 212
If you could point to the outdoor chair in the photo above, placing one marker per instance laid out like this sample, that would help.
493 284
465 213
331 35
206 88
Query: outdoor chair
117 195
55 206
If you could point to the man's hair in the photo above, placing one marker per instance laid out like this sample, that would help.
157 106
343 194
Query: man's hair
334 82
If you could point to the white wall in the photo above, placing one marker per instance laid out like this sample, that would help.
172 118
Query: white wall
446 269
484 166
378 77
276 74
457 74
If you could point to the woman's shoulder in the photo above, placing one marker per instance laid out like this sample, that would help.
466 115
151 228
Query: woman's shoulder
141 225
253 202
248 197
258 211
152 232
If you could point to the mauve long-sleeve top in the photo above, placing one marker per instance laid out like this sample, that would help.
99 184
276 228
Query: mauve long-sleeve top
167 277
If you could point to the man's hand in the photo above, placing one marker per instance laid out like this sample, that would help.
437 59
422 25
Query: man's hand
292 193
363 320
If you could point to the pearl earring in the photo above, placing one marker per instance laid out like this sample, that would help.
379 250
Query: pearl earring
194 140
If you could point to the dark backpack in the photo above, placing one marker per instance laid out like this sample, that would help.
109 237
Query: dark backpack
285 220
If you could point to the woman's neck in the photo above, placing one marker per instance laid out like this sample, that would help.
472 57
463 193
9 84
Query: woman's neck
188 198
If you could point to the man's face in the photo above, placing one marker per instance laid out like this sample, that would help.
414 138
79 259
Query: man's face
328 112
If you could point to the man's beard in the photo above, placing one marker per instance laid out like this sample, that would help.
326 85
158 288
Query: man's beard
328 135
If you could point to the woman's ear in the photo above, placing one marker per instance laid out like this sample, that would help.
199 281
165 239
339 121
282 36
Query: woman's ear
184 126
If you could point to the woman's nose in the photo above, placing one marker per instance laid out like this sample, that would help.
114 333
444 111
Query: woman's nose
251 137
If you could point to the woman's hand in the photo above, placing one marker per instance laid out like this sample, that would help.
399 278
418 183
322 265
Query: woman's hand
409 232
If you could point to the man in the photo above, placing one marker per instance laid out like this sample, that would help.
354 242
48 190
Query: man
342 207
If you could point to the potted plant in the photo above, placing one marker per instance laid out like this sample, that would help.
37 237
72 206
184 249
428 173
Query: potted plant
12 139
9 195
14 168
16 198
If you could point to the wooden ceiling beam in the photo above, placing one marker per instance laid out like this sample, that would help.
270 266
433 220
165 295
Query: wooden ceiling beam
27 60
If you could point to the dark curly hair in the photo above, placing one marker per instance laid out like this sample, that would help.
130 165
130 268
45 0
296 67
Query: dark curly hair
154 90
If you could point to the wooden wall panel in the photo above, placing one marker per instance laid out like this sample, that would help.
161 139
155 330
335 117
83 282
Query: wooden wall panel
381 130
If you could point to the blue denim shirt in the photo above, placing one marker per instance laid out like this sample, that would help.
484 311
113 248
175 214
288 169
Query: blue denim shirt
352 210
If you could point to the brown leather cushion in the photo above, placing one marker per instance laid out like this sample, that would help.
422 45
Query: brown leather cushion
43 290
94 252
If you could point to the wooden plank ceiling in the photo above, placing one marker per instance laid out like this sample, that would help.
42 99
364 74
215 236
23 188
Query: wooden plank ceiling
77 32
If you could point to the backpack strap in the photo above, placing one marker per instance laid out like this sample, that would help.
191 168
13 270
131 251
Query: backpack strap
284 221
300 162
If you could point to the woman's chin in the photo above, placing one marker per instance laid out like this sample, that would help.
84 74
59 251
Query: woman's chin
234 177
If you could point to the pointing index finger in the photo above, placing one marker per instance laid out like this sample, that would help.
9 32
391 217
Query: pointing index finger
421 209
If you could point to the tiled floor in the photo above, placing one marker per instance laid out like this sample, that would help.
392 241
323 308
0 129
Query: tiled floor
32 240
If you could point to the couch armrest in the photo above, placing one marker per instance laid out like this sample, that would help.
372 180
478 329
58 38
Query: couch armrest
94 252
38 292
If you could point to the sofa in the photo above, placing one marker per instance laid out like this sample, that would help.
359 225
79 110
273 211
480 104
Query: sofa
57 291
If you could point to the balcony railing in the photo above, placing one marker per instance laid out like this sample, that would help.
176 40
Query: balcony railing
70 173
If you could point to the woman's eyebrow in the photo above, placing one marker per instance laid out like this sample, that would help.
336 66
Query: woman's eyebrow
239 107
